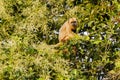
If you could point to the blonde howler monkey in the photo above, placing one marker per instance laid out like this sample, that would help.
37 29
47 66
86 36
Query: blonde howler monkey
66 31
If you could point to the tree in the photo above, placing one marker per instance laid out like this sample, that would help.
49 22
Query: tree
25 27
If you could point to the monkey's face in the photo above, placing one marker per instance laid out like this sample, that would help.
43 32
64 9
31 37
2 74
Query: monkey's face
73 23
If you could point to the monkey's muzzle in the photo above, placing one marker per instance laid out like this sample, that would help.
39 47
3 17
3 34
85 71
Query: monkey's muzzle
74 23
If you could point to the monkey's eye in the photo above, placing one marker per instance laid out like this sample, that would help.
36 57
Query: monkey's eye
73 22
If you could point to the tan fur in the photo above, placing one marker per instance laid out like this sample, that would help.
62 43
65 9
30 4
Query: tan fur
65 32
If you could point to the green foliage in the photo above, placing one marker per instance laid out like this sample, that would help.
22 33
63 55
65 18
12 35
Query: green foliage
91 57
26 63
28 27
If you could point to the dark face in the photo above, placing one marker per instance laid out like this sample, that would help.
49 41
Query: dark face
74 23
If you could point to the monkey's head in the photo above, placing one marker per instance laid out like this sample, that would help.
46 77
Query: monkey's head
73 23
